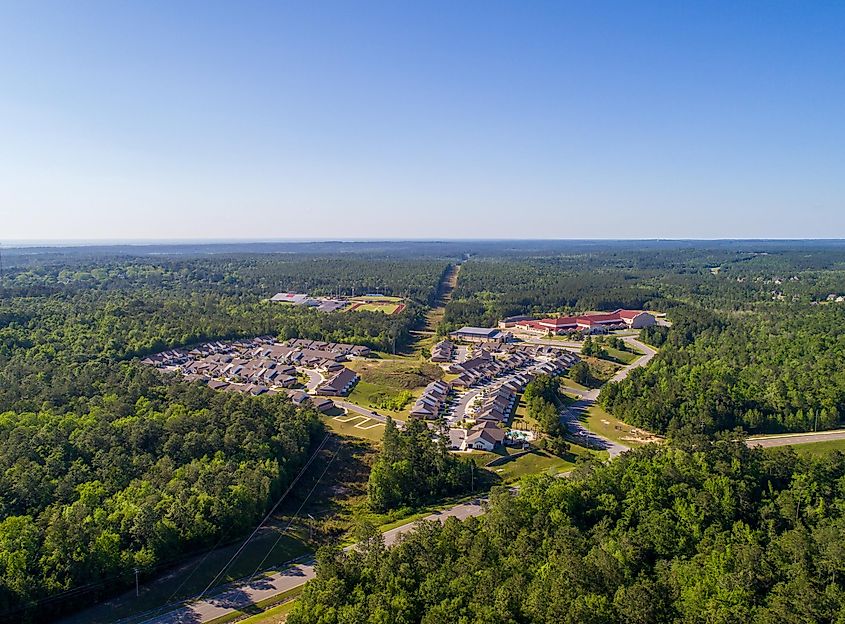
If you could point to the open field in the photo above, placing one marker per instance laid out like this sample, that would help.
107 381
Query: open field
534 462
367 395
820 448
569 385
600 422
383 381
380 303
621 357
356 426
602 370
386 307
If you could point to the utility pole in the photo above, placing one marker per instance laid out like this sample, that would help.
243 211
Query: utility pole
137 586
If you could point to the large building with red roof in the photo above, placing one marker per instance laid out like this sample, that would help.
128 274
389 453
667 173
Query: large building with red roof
588 323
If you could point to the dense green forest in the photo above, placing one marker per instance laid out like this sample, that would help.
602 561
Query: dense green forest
106 464
697 532
411 471
145 473
655 277
774 368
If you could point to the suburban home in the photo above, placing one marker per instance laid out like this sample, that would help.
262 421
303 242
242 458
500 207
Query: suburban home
299 397
484 436
443 351
431 400
322 404
339 384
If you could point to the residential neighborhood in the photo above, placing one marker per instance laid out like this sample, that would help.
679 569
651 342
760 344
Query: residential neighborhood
264 366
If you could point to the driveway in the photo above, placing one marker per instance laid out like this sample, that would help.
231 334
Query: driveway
571 418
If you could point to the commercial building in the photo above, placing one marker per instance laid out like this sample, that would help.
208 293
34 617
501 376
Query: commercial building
588 323
479 334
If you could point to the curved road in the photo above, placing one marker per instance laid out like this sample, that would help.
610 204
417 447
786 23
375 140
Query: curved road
572 415
236 597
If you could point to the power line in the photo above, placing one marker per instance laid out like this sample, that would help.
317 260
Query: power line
267 517
282 533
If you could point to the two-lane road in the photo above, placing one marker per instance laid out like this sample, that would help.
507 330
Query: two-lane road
235 598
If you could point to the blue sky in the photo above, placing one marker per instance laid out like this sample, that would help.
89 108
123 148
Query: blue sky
145 120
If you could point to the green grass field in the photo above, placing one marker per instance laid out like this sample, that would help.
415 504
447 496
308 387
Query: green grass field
535 462
600 422
386 307
365 393
620 357
820 448
358 426
568 384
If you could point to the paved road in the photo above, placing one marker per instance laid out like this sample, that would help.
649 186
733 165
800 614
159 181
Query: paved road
314 379
459 413
237 597
572 416
649 352
796 438
352 407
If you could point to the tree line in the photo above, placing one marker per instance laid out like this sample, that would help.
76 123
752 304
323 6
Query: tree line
697 531
768 369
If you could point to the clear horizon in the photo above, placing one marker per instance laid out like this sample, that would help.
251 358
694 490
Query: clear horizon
154 121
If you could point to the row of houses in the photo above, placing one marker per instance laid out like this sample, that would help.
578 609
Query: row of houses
498 405
298 397
351 350
584 323
260 371
431 400
443 351
260 365
485 367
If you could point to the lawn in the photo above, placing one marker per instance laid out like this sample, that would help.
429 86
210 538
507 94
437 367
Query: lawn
601 369
365 393
388 378
386 307
600 422
569 384
621 357
274 615
356 426
820 448
535 462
